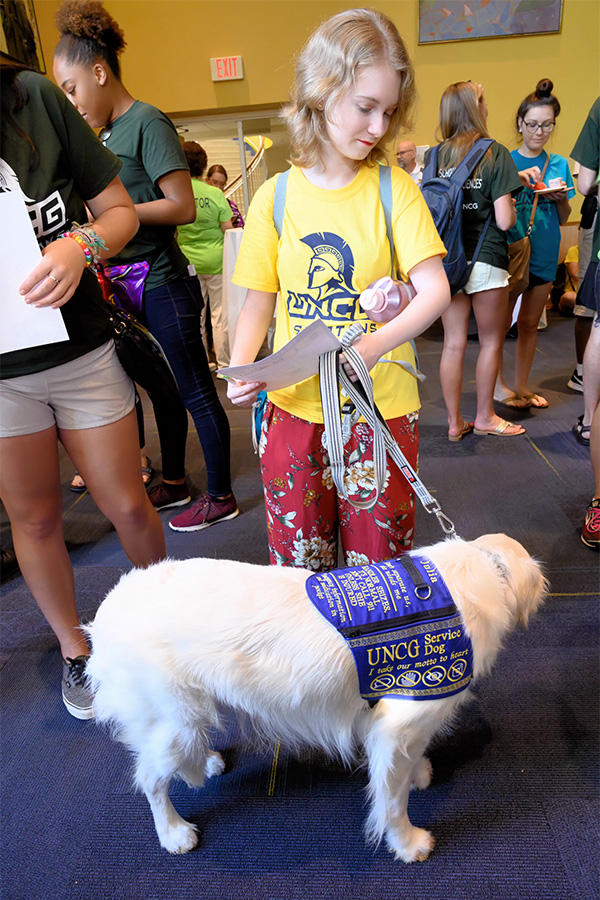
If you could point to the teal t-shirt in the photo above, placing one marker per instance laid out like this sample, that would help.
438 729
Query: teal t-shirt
64 165
202 241
587 153
545 236
146 142
492 179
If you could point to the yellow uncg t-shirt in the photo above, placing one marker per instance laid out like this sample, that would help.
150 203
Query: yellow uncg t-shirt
333 245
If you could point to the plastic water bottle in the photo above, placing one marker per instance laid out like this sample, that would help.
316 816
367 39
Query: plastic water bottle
385 298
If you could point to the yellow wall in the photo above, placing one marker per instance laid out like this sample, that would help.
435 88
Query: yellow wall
171 41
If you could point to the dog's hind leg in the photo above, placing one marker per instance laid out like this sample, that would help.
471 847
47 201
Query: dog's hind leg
174 833
422 774
163 757
394 763
195 772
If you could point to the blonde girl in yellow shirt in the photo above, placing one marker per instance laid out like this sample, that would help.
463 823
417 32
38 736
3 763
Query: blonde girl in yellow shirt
353 91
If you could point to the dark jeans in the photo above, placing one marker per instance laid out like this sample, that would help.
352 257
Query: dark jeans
173 316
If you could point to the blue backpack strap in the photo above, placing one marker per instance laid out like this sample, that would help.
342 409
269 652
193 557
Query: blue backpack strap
473 157
279 201
431 169
462 172
385 195
480 243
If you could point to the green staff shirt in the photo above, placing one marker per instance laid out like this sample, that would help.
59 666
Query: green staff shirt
146 142
587 153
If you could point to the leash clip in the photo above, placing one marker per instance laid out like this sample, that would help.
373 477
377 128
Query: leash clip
447 524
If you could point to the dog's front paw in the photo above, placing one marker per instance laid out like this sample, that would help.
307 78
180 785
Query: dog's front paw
180 838
215 764
417 848
422 774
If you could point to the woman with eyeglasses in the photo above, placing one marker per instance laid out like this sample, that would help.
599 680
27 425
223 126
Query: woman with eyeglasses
535 121
156 175
217 177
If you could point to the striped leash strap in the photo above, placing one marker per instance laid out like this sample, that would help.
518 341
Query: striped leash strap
331 376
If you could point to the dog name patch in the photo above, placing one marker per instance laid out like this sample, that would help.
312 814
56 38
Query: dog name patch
402 626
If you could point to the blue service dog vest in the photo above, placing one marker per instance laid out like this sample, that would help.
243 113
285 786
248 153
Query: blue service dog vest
402 626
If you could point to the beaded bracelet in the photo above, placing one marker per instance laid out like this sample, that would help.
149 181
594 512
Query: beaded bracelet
89 240
89 256
87 232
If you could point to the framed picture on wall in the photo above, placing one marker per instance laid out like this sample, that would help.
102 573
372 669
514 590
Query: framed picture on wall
464 20
19 35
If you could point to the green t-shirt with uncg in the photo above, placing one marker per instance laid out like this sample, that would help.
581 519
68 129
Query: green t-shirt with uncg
202 241
146 142
492 179
587 153
61 165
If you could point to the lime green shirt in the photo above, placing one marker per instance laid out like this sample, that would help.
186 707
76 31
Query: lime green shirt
202 241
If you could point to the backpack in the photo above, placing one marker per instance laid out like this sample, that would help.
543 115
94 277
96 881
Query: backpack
444 197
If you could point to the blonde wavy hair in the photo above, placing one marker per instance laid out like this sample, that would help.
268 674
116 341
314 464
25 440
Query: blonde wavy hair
326 70
461 123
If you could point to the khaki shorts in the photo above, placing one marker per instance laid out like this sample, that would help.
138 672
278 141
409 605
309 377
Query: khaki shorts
485 277
87 392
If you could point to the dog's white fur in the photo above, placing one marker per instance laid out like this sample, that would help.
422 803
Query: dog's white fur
172 641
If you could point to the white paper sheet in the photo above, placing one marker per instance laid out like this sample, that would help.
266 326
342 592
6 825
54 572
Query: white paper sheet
22 325
295 362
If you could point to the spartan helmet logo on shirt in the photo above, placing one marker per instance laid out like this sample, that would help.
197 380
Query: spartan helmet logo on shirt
330 293
331 266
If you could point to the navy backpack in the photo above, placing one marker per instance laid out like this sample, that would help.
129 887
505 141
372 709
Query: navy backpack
444 197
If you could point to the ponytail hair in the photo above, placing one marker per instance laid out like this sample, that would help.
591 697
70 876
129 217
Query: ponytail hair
89 33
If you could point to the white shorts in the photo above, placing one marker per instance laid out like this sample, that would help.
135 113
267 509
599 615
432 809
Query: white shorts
580 310
87 392
485 277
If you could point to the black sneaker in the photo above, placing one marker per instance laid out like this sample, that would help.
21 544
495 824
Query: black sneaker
9 565
76 694
164 496
575 382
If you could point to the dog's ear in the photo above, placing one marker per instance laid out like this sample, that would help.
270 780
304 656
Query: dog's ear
530 589
527 587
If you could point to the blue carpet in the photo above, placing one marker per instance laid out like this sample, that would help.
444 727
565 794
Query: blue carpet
514 800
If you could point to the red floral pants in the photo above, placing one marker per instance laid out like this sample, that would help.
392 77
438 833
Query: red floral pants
305 514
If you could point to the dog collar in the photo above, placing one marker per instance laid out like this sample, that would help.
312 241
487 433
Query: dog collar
400 622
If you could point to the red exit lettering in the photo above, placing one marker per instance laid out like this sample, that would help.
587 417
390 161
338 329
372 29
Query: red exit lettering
226 67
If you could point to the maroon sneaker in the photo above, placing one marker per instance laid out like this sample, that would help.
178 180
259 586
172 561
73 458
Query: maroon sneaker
205 512
163 496
590 533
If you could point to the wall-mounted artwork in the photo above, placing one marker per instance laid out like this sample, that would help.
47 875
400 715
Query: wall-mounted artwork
462 20
19 35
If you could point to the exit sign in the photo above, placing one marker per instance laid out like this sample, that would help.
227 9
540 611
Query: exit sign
227 68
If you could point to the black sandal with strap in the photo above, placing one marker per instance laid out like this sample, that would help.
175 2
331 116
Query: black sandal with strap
582 432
